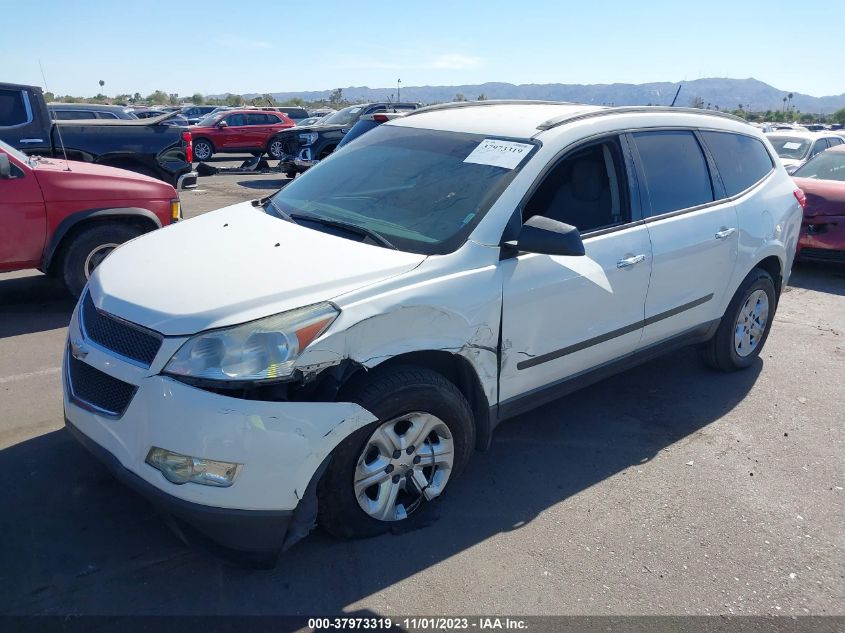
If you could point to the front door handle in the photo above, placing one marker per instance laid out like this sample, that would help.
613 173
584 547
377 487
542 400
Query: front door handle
630 261
31 140
725 233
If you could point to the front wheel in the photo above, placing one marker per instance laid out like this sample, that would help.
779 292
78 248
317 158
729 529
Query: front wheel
383 473
745 325
88 249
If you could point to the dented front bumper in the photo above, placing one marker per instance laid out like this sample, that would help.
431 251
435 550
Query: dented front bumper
281 445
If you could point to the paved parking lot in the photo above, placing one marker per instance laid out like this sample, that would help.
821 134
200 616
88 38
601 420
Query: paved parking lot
669 489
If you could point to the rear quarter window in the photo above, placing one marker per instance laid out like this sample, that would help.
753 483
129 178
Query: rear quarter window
741 160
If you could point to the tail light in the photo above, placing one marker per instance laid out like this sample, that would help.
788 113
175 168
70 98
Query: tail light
189 147
380 118
801 198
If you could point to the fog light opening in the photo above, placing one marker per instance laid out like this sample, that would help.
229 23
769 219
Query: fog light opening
181 469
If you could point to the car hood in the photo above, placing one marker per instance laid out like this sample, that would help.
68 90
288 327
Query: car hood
231 266
824 197
76 181
315 128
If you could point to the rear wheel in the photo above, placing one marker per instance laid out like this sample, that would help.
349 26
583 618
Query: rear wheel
202 150
275 149
88 250
384 473
745 325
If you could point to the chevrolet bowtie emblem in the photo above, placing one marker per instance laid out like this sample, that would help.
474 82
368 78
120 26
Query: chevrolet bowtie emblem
78 350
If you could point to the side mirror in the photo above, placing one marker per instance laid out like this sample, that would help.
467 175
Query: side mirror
5 166
222 124
548 237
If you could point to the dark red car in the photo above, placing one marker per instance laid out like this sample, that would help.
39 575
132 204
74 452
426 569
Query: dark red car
823 181
65 217
237 131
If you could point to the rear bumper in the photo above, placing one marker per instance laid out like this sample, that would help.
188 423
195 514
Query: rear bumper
187 181
242 530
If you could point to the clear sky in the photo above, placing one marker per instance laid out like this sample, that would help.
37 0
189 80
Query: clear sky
215 46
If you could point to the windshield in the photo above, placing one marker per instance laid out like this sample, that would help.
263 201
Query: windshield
342 117
11 151
420 189
790 146
825 166
211 120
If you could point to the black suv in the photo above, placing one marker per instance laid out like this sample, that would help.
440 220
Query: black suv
299 148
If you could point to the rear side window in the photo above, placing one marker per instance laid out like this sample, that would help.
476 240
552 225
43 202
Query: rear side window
73 115
741 160
835 141
675 170
12 108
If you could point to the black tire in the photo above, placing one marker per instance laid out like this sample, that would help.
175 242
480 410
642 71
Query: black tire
719 352
89 241
274 149
203 149
388 394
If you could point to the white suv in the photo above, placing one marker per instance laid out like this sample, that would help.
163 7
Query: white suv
337 351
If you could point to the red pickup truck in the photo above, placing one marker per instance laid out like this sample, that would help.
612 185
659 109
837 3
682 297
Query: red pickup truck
65 217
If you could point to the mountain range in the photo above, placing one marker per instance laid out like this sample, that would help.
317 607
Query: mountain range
723 92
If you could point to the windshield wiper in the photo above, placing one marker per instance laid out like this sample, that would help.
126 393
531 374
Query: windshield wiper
268 202
346 226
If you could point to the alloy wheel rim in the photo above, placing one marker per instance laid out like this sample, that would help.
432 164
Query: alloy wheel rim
96 257
202 151
276 149
751 323
406 460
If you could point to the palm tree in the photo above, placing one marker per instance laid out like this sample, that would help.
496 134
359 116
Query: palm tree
790 95
784 104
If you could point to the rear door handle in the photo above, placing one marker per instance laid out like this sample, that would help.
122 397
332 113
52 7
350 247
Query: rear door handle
630 261
725 233
32 140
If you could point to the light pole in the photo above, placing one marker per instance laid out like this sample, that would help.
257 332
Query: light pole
399 90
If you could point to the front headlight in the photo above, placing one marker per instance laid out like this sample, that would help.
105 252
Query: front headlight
265 349
308 138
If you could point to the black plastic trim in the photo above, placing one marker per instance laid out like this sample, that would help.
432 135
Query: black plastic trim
543 395
80 216
242 530
602 338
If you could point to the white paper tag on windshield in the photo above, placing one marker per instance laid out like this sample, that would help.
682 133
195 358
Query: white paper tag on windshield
791 145
497 153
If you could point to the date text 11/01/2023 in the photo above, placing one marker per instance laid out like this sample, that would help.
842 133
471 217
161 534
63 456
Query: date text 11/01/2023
418 623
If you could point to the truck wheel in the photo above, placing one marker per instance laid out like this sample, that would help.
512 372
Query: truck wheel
275 149
88 249
203 150
745 325
382 474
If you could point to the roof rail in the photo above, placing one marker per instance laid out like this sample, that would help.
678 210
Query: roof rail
562 120
467 104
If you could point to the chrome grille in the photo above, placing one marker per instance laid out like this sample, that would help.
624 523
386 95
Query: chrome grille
133 342
92 389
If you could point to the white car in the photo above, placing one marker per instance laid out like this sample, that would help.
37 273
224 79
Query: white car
337 351
796 148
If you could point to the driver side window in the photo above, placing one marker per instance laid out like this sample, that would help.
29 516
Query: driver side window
586 189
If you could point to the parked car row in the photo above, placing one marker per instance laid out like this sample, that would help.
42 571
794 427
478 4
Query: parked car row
354 392
141 145
796 148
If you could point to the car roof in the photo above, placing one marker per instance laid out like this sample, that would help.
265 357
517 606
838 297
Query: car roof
839 149
94 107
526 119
801 134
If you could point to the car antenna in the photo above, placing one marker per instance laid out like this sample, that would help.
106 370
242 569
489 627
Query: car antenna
676 95
58 127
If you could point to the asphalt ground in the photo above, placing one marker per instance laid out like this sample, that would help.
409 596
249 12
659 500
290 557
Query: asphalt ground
668 489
